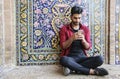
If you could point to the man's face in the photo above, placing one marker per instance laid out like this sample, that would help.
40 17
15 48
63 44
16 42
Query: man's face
76 19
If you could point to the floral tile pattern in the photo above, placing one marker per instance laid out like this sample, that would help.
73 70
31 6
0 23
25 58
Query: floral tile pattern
38 23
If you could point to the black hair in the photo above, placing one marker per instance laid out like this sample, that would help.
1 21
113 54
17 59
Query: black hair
76 10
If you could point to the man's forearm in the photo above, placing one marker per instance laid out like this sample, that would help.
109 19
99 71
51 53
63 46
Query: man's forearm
67 43
85 44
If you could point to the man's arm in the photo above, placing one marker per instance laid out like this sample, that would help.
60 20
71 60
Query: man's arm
65 40
85 44
86 39
68 42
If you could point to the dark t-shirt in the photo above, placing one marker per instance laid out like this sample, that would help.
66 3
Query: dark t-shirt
76 47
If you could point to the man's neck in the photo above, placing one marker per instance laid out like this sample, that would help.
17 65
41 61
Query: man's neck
75 27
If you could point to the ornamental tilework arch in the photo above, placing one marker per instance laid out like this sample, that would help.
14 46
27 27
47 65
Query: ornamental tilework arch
38 23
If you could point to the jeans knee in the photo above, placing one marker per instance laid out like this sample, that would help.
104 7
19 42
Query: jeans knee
99 60
65 60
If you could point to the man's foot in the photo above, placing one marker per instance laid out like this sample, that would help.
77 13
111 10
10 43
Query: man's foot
100 71
66 71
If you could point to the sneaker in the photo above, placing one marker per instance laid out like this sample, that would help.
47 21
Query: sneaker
101 72
66 71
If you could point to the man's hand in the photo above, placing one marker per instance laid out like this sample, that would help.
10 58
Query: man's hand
79 36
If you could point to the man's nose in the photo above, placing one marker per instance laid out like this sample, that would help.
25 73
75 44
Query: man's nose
77 20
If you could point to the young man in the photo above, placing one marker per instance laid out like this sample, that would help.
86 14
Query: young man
74 40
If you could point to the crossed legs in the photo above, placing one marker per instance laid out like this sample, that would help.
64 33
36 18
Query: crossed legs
82 64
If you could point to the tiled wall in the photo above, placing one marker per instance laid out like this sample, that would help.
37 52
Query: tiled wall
7 32
37 39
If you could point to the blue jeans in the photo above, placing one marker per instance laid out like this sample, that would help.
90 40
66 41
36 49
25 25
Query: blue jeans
81 64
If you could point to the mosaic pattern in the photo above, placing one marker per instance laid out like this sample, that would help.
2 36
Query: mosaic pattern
97 25
117 32
38 23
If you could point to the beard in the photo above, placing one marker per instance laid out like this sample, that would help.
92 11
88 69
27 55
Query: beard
76 23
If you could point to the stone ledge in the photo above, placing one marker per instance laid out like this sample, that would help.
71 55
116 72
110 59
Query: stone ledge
54 72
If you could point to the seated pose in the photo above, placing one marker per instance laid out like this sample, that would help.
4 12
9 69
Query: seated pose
74 41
